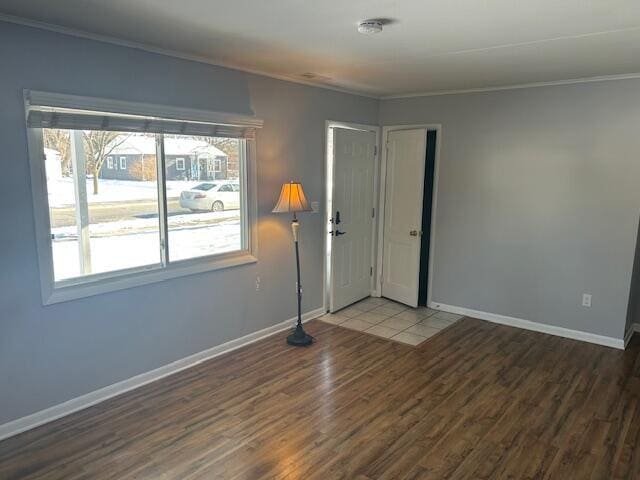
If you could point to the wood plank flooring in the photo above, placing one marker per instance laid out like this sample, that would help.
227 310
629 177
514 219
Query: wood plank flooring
476 401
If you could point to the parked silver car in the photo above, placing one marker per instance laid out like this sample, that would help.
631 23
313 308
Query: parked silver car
215 196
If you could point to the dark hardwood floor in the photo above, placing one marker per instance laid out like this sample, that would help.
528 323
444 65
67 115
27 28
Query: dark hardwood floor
477 401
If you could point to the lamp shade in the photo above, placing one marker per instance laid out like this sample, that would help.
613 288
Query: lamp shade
292 199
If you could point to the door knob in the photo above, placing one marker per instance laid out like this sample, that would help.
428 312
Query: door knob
413 233
337 233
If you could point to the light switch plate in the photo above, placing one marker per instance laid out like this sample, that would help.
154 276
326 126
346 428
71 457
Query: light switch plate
315 207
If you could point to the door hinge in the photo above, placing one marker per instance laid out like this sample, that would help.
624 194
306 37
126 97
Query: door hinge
371 271
375 150
373 212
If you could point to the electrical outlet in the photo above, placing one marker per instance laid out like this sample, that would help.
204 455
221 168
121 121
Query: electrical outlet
258 280
586 300
315 207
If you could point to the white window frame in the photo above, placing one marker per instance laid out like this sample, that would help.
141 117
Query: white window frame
217 165
178 160
110 162
123 163
94 284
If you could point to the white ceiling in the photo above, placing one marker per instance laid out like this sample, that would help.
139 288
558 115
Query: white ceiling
431 46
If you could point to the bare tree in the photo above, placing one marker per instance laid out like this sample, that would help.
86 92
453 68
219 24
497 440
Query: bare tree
59 141
98 144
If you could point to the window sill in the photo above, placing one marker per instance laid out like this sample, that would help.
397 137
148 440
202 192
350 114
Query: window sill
65 291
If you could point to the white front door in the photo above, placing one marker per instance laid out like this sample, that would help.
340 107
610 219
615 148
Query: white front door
404 185
352 211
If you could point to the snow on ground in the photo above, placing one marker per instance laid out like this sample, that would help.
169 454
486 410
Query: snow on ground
61 191
145 225
109 253
135 242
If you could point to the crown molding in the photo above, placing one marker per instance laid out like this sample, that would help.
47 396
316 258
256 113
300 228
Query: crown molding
551 83
200 59
172 53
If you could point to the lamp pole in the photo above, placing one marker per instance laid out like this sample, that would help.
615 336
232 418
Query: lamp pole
299 337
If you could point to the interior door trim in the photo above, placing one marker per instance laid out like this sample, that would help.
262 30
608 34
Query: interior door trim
381 201
328 173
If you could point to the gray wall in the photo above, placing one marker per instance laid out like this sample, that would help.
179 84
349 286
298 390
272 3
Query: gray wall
54 353
539 196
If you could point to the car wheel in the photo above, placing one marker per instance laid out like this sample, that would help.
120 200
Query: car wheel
217 206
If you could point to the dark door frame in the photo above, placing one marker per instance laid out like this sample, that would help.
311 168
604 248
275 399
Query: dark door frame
427 212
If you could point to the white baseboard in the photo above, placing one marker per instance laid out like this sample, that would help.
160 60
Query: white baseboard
534 326
36 419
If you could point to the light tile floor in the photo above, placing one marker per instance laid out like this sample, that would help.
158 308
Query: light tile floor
388 319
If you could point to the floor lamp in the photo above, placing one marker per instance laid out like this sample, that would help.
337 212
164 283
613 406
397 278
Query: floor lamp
292 200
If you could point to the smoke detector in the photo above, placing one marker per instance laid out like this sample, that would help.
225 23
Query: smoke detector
369 27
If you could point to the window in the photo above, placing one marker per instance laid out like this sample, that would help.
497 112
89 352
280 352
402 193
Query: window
204 221
100 234
98 225
217 165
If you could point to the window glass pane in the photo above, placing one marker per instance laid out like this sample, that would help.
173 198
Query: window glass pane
203 210
102 219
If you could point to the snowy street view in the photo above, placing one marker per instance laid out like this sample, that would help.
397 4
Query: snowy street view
119 210
134 248
124 226
61 190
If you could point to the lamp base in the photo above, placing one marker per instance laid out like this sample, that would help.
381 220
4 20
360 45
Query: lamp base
299 338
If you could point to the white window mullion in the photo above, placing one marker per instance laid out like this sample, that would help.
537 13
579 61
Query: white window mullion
244 195
79 166
162 200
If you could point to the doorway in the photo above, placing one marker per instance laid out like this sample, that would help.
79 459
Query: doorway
352 174
407 206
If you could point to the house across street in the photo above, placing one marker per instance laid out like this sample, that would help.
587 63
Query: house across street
186 158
